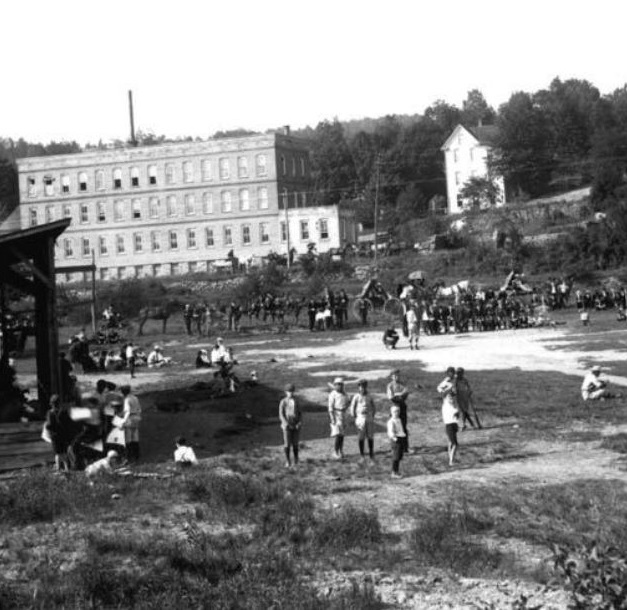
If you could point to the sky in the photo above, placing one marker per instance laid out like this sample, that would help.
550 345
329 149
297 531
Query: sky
199 66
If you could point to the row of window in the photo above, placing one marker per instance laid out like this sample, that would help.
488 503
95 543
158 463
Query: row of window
172 173
153 242
190 204
154 270
473 154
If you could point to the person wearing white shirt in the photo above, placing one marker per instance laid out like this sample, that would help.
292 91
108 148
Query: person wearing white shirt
594 387
413 328
156 359
131 418
220 354
396 434
183 454
450 412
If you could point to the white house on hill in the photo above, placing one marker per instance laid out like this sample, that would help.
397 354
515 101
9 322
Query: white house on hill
466 156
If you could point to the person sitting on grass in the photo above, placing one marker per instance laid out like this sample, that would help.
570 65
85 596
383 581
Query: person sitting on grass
390 338
396 434
450 412
202 359
183 454
102 466
220 354
156 359
594 387
291 420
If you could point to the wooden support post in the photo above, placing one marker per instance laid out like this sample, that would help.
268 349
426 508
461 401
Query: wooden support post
48 370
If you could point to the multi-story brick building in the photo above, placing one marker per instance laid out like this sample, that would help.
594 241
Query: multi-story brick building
179 208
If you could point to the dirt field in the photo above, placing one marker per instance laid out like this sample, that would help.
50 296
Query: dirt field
537 432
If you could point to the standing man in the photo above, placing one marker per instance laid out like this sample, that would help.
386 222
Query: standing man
450 412
131 418
130 358
363 411
338 405
188 314
397 393
291 418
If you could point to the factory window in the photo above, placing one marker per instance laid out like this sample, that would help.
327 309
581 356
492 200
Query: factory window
32 217
264 236
190 204
138 242
262 197
188 172
31 186
99 180
101 211
152 174
153 207
191 238
225 197
102 246
134 176
209 242
68 248
170 174
49 213
324 228
174 240
170 204
67 211
155 241
86 247
283 231
48 185
283 165
242 167
228 236
225 169
207 203
136 207
84 213
118 210
244 200
262 165
117 178
304 229
119 244
206 170
246 235
65 183
82 181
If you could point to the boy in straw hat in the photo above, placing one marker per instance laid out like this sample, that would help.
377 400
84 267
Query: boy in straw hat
363 411
338 405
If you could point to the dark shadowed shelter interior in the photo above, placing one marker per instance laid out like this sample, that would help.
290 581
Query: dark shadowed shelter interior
27 264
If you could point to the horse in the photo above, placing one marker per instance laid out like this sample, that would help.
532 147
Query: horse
157 312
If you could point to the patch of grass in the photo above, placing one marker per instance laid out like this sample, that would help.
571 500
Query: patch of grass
346 529
615 442
40 496
444 537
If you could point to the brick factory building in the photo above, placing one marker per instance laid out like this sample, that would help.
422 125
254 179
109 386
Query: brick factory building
180 208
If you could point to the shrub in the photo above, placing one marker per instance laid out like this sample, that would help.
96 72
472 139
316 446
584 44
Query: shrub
596 576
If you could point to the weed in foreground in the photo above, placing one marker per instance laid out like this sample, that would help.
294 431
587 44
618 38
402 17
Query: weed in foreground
349 528
616 442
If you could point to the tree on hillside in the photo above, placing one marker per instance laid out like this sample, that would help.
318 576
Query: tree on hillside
444 115
475 110
522 153
333 167
481 192
9 195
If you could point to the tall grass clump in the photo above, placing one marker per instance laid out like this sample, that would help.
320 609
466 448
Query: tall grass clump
347 529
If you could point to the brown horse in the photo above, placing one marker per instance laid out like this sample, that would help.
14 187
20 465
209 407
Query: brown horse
157 312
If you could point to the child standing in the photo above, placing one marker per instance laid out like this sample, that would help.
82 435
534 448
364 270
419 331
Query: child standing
291 419
450 412
396 434
464 398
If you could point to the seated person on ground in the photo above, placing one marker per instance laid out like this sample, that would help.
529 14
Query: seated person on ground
594 387
156 358
105 465
184 455
202 359
390 338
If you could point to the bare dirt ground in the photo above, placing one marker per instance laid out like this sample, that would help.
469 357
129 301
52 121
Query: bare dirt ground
547 461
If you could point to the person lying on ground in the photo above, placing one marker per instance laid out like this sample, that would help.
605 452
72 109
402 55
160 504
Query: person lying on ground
594 387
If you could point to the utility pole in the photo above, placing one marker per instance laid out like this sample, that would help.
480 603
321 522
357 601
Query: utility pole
286 203
376 209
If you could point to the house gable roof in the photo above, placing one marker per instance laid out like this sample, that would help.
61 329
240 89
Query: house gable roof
485 135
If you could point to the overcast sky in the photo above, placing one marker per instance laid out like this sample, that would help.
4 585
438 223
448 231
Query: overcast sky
198 66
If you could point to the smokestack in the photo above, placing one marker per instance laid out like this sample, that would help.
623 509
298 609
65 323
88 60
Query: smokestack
130 110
